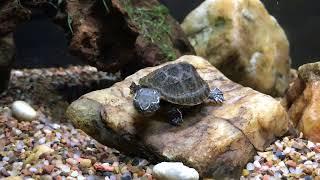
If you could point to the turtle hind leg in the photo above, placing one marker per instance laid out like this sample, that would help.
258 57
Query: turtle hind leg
216 95
175 116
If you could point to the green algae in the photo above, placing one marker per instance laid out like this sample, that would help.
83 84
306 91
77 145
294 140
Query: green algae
152 23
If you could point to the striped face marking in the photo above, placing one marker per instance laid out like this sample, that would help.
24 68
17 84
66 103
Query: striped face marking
146 100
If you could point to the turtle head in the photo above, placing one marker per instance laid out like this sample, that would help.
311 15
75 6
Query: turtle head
146 101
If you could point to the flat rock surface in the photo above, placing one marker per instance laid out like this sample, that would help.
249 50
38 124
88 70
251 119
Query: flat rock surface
216 140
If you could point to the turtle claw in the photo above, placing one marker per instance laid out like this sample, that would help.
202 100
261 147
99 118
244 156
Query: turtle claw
216 95
175 117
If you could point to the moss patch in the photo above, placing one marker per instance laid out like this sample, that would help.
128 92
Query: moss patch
153 26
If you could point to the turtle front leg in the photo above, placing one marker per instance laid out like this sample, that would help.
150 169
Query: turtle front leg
216 95
175 116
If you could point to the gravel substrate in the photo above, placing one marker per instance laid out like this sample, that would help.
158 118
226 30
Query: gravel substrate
289 158
49 147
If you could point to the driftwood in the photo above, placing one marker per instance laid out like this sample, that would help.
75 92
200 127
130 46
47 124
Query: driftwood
125 35
112 35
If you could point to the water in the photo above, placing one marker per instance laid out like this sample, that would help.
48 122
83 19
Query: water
41 43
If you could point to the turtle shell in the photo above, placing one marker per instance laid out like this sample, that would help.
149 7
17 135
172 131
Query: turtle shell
178 83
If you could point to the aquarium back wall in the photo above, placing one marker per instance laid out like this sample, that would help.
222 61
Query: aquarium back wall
299 19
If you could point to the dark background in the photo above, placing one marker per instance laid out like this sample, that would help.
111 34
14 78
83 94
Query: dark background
300 19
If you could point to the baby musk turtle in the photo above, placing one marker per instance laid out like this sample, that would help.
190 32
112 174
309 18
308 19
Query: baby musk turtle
179 84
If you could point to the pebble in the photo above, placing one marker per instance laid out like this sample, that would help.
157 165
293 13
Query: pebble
46 177
291 163
33 169
250 167
291 157
280 155
48 168
257 164
44 147
42 140
65 169
245 172
16 131
85 163
23 111
266 177
74 174
5 158
126 176
279 145
174 171
71 161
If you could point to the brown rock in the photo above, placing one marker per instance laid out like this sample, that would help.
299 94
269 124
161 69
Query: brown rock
291 163
305 109
85 163
216 140
48 168
242 40
125 35
110 35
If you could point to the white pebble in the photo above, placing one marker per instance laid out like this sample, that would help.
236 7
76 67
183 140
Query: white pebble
33 169
257 164
55 126
23 111
16 131
284 170
299 171
42 140
64 168
81 178
74 173
19 145
279 145
287 150
310 145
250 167
308 163
257 158
174 171
282 164
264 168
5 158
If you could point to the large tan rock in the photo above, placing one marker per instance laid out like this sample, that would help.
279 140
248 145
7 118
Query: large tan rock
305 97
216 140
242 40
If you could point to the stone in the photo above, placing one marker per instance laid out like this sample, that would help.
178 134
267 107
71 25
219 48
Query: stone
85 163
48 168
174 171
304 111
243 41
37 152
223 137
23 111
13 178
